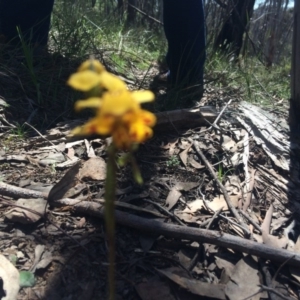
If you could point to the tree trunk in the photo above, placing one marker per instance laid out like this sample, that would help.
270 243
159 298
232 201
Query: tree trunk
131 13
120 8
230 37
295 82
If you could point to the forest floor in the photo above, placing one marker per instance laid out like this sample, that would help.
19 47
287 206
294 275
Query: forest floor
216 217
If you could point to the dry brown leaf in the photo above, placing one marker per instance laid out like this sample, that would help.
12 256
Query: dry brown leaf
24 216
295 272
233 184
194 206
186 186
265 226
75 190
229 144
236 159
175 193
183 144
75 143
89 149
171 146
227 268
52 159
184 155
268 239
274 241
244 281
66 183
276 224
93 169
42 258
61 147
223 263
154 290
172 198
71 153
187 217
196 287
147 241
185 256
258 238
68 163
195 164
187 214
219 202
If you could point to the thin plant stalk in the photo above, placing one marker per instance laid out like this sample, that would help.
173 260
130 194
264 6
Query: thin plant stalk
110 188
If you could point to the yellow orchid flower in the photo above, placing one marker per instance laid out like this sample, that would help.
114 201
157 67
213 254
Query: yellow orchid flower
128 124
92 73
111 82
116 103
84 81
92 65
118 110
118 113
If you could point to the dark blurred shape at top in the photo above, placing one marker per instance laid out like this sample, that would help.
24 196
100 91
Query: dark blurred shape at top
32 17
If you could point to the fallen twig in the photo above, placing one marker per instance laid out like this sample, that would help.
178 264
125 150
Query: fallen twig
146 15
133 207
268 278
17 192
256 226
221 186
214 124
186 233
271 290
165 211
215 216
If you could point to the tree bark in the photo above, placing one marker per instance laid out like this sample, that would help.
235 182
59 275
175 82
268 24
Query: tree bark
295 82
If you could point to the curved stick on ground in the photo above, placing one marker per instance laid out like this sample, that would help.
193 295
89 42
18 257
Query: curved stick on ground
18 192
221 186
186 233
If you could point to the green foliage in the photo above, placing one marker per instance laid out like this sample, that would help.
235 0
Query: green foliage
26 279
19 131
78 30
28 63
173 162
255 82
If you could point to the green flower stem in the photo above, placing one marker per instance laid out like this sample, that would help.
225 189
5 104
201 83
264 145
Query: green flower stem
136 170
110 191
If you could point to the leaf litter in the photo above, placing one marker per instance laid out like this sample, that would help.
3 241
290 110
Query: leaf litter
63 245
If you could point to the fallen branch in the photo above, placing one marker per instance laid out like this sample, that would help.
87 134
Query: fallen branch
221 186
186 233
146 15
214 124
198 117
17 192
